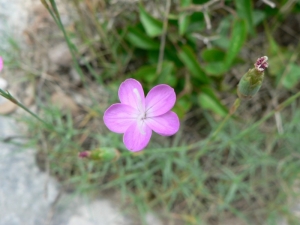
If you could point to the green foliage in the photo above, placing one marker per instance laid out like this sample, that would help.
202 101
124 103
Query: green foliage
245 11
292 77
208 100
140 40
238 37
184 20
152 26
190 61
247 169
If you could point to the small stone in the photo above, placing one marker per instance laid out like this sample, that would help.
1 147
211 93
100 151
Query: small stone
64 102
7 107
60 55
3 83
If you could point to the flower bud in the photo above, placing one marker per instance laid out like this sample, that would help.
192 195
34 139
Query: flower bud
251 81
103 154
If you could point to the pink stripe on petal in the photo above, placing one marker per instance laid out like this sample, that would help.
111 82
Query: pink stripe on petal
165 125
1 63
137 136
118 117
160 100
131 93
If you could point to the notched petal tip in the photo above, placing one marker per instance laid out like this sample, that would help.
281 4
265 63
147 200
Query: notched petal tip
134 140
166 125
160 100
131 93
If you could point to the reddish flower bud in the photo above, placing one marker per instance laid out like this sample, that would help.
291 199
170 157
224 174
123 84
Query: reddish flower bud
261 63
251 81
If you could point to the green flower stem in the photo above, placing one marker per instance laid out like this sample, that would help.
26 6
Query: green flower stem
57 19
234 107
203 144
9 97
207 141
263 119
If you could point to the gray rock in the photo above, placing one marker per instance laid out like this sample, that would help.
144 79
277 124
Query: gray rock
23 199
85 211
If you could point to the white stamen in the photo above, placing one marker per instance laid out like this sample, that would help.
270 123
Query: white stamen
142 115
139 103
140 123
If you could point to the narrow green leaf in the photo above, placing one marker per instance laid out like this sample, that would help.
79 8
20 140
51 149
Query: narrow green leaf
153 27
244 10
141 40
258 17
146 73
182 106
184 20
189 59
273 47
238 37
292 77
208 100
215 68
212 55
167 74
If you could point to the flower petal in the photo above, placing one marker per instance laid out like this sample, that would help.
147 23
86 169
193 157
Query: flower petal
160 100
118 117
1 63
165 125
131 93
137 136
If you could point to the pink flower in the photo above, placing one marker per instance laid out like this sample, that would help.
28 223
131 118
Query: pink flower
1 63
136 116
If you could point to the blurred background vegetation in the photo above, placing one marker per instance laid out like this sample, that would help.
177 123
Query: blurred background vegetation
247 173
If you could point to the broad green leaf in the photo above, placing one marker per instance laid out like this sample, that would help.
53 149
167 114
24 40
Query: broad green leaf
208 100
215 68
146 73
182 106
238 37
273 47
141 40
189 59
167 75
244 10
223 33
212 55
153 27
222 42
184 20
292 77
258 16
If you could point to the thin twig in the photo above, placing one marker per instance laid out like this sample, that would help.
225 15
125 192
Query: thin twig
207 19
279 122
277 116
206 40
197 7
269 3
163 38
287 6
